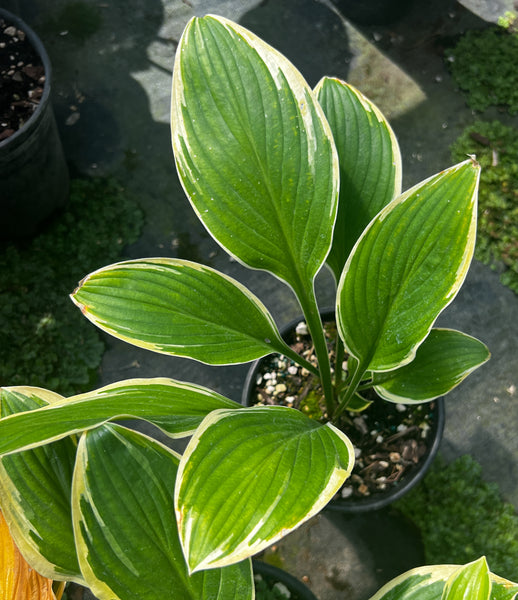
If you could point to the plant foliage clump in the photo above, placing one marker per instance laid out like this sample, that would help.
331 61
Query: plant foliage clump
483 63
462 517
496 148
44 341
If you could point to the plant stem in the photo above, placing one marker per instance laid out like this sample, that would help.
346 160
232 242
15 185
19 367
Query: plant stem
314 322
340 355
353 386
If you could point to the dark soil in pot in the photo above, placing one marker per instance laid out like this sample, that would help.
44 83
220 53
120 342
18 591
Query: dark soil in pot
22 77
394 443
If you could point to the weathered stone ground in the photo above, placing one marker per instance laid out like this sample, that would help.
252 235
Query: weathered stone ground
112 68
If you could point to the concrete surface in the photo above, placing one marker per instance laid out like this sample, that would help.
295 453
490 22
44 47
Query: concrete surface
111 96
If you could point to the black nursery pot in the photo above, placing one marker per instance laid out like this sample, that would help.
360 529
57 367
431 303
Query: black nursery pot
33 171
273 575
379 499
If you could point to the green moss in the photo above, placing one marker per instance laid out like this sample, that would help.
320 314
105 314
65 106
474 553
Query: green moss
483 64
44 339
462 517
496 148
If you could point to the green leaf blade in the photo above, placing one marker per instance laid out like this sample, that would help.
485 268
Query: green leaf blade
244 483
435 582
177 307
469 582
124 523
370 163
442 361
175 407
239 111
407 267
35 490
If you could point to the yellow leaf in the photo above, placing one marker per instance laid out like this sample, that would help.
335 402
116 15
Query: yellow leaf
18 581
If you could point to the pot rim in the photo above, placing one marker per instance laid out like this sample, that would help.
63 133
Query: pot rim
292 583
38 46
380 499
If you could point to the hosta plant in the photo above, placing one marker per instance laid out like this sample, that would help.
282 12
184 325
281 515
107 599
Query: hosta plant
288 180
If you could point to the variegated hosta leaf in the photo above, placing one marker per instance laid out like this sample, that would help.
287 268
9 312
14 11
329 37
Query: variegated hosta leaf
249 477
124 522
370 163
175 407
470 582
442 361
407 267
18 580
35 488
253 149
429 583
178 307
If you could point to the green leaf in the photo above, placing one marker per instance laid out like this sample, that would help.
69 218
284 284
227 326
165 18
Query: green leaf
407 267
429 583
175 407
503 589
35 490
249 477
370 163
469 582
177 307
253 149
442 361
127 537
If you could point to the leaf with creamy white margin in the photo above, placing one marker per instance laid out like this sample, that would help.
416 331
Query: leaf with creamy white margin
253 150
407 267
370 163
249 477
35 489
176 407
127 537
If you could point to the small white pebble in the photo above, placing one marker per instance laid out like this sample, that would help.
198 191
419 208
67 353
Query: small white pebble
400 407
346 492
280 387
402 427
282 589
357 452
511 389
379 439
270 389
302 328
293 370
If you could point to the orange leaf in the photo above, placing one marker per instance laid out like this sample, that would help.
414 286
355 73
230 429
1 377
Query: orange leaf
18 581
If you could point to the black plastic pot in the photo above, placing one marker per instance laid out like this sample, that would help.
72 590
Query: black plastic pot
273 575
33 172
378 500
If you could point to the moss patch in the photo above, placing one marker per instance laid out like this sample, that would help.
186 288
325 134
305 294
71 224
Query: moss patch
462 517
44 339
483 64
496 148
